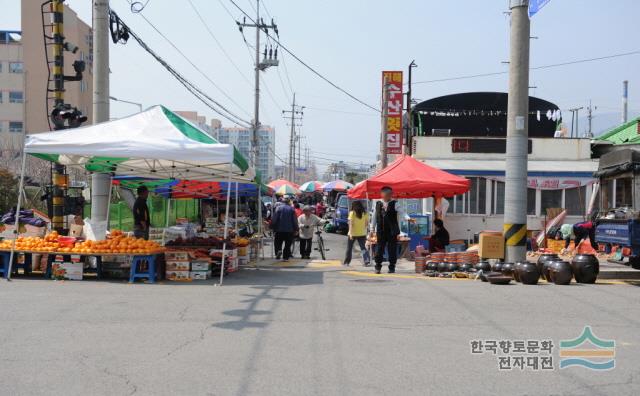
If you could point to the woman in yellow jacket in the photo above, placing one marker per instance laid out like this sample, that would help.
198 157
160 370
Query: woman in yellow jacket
358 224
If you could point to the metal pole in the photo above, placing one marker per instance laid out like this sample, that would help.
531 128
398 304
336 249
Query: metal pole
515 205
256 104
100 183
226 227
409 138
18 207
625 98
58 177
236 216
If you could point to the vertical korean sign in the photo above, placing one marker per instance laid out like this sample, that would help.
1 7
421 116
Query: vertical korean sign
393 108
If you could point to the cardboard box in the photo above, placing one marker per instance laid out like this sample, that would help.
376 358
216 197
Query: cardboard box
197 265
68 270
177 275
491 245
176 255
200 275
178 265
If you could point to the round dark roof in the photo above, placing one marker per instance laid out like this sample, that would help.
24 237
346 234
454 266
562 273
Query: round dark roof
491 101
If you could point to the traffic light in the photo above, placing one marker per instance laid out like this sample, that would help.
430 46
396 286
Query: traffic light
64 116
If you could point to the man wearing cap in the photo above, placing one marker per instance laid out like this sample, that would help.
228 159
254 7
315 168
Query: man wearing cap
307 223
386 225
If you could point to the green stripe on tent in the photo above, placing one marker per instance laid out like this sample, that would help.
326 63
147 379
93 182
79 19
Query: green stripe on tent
104 164
47 157
196 134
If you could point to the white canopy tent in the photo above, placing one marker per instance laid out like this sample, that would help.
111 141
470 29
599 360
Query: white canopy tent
155 143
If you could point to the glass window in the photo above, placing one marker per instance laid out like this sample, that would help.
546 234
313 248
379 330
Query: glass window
476 197
458 204
550 199
498 197
15 97
624 195
15 67
574 201
531 201
15 126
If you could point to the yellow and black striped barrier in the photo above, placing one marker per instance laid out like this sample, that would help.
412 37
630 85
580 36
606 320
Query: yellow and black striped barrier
515 234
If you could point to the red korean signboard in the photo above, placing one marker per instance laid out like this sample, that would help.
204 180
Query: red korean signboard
392 106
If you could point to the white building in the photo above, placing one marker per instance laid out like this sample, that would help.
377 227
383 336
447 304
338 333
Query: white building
465 134
242 139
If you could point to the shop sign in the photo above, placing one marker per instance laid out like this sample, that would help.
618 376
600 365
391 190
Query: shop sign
393 108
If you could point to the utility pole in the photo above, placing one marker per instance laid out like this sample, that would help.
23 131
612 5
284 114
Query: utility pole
409 136
515 205
383 133
295 114
625 98
272 60
100 182
590 118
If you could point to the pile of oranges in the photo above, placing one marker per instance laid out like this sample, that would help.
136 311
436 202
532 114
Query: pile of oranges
117 243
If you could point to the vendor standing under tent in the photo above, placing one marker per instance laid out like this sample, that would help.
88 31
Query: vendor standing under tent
386 225
141 214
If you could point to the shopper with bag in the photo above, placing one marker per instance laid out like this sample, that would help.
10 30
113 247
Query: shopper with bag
307 222
285 226
358 222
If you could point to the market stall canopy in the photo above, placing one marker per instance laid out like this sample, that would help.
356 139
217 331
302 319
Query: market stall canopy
311 186
410 178
337 185
286 189
155 143
191 189
276 184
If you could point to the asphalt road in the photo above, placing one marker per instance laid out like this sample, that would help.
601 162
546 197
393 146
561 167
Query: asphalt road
305 331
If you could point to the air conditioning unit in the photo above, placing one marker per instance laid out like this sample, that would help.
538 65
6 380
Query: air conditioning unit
441 132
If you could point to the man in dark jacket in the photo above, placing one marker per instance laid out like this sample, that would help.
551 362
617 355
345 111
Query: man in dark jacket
141 214
285 225
440 239
386 225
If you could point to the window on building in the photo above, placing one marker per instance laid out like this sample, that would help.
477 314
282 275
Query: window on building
476 197
624 194
575 201
0 96
0 67
15 97
550 199
531 201
15 126
498 198
15 67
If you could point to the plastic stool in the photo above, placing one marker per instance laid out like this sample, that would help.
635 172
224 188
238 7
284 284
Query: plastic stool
150 273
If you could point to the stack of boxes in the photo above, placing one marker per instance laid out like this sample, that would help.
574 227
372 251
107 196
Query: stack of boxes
181 266
156 235
70 270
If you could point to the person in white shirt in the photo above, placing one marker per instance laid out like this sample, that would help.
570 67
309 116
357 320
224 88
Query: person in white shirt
307 223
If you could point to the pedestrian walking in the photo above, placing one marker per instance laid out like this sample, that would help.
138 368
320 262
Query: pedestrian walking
307 222
386 226
358 222
285 226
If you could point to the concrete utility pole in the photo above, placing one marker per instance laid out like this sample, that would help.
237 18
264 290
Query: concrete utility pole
383 134
100 182
259 66
590 118
515 198
625 98
295 114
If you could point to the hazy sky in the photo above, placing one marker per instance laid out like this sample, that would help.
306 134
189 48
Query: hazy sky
351 42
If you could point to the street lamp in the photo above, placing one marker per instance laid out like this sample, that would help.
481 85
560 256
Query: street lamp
127 101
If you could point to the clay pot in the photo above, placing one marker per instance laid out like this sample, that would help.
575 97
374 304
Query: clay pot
452 267
543 259
507 269
483 266
560 272
465 267
528 273
442 266
546 269
516 273
432 266
497 267
585 268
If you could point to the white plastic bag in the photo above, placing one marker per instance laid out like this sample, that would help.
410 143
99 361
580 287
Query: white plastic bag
95 231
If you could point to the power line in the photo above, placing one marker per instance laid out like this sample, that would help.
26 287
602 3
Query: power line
218 42
342 111
314 71
532 68
194 65
194 90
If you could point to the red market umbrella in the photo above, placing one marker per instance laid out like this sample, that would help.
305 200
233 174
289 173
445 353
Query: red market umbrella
410 178
276 184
